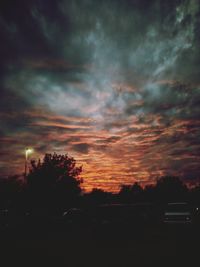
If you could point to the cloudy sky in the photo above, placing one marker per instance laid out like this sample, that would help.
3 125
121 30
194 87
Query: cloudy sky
115 84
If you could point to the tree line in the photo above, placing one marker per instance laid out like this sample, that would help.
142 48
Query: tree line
54 185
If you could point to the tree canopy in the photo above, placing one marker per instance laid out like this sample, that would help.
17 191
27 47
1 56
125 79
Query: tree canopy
54 181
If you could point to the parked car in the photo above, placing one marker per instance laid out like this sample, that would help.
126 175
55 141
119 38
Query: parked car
177 213
122 214
109 214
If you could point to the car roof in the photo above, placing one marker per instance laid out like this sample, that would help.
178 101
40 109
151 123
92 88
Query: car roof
177 203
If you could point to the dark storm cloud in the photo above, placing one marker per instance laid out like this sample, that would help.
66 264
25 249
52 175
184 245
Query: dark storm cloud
172 100
127 35
107 33
127 40
12 107
83 148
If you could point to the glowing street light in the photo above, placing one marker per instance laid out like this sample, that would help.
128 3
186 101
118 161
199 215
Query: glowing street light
28 151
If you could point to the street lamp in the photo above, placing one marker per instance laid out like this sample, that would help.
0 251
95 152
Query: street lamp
28 151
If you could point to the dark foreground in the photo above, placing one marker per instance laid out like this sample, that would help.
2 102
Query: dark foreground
155 245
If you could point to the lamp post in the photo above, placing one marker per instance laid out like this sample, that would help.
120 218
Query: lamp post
28 151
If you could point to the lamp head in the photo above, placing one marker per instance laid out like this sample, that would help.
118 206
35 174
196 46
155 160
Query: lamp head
28 151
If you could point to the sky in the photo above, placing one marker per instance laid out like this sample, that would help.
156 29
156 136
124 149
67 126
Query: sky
114 84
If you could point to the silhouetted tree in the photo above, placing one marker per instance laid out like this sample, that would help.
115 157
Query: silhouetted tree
98 196
136 191
170 188
149 193
195 195
125 189
54 182
131 193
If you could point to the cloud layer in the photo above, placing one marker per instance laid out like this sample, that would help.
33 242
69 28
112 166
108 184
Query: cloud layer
113 83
